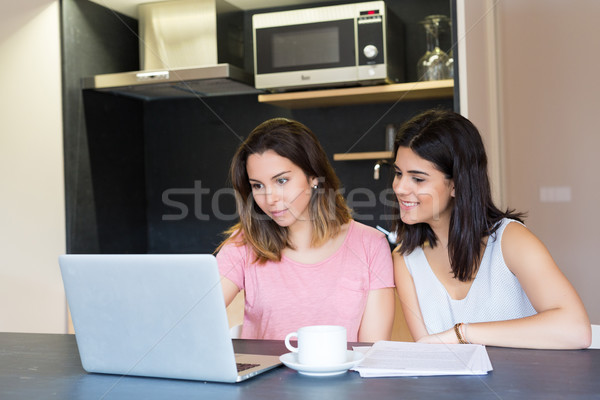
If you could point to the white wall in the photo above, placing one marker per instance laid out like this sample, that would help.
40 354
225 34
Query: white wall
541 96
32 217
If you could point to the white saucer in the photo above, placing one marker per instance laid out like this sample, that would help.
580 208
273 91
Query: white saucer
290 360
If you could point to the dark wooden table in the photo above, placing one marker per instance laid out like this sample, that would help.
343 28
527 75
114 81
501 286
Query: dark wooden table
46 366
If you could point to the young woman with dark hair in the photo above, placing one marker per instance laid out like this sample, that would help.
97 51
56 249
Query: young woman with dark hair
465 270
296 252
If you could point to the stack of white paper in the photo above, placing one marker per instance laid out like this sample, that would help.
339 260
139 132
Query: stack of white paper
419 359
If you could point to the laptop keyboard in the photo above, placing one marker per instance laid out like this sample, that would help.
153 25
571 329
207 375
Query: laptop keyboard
244 366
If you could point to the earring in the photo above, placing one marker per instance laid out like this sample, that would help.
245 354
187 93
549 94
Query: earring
315 187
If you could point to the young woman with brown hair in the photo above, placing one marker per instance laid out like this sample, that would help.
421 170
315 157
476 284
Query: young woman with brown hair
296 252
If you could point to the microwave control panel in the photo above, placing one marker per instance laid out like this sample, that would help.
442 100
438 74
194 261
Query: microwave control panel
370 38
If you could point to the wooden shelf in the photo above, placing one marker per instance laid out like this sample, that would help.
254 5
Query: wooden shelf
361 95
370 155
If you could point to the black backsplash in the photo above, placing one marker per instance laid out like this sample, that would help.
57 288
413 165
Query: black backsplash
115 136
94 40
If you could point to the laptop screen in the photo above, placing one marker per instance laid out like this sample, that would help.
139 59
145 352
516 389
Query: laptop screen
150 315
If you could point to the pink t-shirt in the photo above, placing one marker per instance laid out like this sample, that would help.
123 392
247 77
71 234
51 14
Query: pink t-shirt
284 296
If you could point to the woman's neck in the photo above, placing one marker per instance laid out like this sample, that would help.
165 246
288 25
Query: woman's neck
441 229
300 235
304 251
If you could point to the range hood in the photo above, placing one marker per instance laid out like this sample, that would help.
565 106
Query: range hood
188 48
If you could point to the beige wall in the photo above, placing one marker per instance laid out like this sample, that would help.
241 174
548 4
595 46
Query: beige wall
478 81
545 85
550 83
32 217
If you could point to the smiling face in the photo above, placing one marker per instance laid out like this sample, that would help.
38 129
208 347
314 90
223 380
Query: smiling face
279 187
424 193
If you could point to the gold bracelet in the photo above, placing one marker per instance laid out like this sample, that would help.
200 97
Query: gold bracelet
464 332
458 335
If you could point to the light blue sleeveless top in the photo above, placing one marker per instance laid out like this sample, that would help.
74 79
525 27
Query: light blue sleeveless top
495 294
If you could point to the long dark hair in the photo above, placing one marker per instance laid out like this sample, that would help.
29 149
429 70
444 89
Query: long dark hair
327 208
454 146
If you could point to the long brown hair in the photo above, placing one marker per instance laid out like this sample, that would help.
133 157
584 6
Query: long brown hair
327 208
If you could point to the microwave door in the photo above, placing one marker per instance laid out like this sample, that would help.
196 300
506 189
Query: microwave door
305 47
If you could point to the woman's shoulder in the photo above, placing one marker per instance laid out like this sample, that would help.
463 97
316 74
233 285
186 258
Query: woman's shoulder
520 244
503 226
234 242
511 221
366 231
513 230
397 256
365 241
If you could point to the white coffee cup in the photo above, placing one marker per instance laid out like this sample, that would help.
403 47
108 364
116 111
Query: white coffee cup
319 344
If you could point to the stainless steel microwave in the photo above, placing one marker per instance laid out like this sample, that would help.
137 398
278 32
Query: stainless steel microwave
340 45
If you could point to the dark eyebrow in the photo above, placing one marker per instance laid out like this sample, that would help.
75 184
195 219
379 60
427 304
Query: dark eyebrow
418 172
273 177
413 171
279 174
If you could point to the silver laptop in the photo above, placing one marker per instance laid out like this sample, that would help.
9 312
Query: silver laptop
154 315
